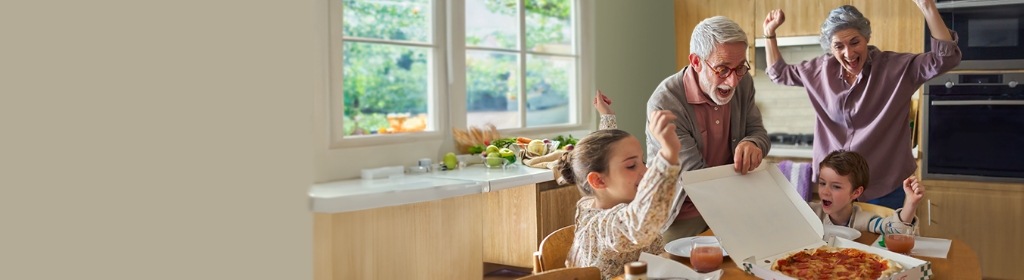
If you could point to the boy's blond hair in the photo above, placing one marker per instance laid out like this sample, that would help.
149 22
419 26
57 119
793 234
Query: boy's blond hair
850 164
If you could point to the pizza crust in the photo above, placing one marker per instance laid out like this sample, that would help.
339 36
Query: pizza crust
894 267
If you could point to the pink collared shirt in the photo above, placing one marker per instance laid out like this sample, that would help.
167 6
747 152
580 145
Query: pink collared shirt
713 120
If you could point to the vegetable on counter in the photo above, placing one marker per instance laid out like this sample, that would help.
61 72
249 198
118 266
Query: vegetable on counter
504 142
562 141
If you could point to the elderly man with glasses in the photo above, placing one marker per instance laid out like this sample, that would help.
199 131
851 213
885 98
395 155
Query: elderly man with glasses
718 122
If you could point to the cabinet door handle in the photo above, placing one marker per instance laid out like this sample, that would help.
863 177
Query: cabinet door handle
929 212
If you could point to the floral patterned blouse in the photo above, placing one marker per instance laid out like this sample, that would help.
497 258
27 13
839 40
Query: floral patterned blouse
610 238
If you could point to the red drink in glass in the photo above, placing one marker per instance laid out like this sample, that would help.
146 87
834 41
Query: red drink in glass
706 258
899 243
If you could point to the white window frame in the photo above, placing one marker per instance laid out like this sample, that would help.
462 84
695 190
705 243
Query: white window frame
438 91
338 157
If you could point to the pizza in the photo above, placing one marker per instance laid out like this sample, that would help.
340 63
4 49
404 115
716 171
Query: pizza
835 263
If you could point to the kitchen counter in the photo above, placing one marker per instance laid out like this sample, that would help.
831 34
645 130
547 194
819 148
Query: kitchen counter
362 194
801 151
792 151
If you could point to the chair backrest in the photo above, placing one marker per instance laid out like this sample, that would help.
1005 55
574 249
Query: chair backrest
554 249
877 209
572 273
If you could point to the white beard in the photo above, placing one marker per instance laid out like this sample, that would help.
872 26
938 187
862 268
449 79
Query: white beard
712 92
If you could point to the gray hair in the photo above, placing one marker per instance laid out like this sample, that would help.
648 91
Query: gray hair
713 31
842 18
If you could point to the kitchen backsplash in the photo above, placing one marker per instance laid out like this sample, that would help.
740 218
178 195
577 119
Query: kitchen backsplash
785 109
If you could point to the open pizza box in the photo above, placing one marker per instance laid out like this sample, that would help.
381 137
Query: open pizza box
759 217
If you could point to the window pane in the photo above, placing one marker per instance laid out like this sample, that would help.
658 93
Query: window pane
492 89
550 81
492 23
549 26
386 88
405 20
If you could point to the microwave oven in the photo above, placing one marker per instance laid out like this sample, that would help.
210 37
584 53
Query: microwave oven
991 37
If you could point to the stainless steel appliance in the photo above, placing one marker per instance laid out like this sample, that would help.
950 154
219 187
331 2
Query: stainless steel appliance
991 32
973 127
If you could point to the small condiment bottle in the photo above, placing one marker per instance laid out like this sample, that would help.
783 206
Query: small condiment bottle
636 270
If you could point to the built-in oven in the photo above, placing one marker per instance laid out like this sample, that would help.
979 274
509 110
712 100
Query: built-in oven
991 32
973 127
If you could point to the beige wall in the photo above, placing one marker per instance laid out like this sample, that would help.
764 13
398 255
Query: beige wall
156 140
635 51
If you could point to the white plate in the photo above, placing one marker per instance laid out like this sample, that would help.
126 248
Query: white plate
840 231
681 247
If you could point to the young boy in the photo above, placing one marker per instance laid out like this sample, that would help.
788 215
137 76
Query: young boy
843 177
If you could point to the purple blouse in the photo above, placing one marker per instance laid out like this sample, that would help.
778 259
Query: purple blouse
871 115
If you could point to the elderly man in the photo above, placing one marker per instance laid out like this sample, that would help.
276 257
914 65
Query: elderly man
718 122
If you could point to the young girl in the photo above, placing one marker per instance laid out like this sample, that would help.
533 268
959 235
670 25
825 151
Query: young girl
625 204
844 175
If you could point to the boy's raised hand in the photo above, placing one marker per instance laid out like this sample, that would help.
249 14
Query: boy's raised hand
914 190
603 104
664 130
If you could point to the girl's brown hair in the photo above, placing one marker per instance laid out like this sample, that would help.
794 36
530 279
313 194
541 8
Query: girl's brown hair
590 154
850 164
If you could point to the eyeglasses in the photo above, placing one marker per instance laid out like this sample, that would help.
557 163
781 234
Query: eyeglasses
724 72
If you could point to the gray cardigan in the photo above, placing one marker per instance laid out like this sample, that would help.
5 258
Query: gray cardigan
745 122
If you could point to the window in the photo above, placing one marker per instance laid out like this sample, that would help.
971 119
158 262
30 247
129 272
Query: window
388 51
503 37
401 71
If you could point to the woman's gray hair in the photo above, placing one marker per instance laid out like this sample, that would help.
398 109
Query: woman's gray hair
842 18
713 31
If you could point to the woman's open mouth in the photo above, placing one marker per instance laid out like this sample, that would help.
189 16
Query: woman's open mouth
850 64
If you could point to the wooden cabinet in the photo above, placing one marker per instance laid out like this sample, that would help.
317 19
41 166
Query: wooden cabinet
896 26
986 216
442 239
438 239
803 17
688 13
517 219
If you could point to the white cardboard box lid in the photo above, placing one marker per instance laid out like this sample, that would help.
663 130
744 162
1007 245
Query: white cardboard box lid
754 215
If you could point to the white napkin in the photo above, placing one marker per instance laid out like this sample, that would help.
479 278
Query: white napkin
925 246
659 267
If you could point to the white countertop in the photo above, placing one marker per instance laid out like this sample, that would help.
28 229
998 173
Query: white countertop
497 179
794 151
801 151
361 194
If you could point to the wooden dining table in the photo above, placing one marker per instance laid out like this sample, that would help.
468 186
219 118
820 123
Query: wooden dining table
960 263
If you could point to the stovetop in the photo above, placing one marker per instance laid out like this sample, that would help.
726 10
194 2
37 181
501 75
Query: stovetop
792 139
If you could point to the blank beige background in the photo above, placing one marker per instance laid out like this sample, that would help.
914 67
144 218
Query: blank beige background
155 139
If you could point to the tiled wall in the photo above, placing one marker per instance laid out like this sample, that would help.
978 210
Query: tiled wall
785 109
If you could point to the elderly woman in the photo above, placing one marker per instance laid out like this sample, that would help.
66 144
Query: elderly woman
861 94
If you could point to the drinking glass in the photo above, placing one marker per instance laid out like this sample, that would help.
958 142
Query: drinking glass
705 255
901 243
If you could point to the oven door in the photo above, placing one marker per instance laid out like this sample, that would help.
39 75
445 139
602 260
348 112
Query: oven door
974 133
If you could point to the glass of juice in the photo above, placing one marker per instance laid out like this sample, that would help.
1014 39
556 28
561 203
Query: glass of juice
705 255
901 243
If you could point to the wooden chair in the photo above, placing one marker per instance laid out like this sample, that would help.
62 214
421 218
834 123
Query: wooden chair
554 249
574 273
877 209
